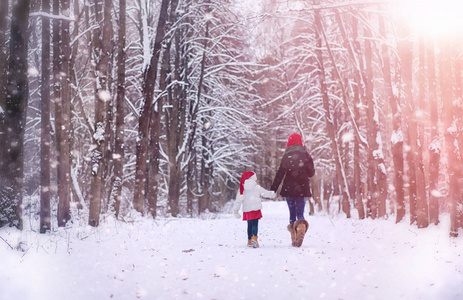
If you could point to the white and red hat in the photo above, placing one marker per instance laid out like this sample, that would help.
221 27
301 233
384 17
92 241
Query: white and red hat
246 175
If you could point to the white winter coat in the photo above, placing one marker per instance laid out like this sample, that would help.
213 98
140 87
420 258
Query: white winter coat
253 194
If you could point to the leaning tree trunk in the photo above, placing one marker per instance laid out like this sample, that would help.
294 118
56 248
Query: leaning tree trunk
329 119
15 117
149 81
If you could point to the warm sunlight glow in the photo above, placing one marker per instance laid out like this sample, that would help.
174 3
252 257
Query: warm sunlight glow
433 17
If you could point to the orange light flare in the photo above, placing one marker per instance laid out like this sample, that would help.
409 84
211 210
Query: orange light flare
434 18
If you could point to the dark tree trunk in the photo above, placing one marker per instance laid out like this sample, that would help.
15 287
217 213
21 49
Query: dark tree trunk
155 132
64 160
15 117
175 123
45 141
102 94
3 75
120 105
149 77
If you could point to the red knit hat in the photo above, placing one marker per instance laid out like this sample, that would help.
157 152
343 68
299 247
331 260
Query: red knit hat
246 175
294 139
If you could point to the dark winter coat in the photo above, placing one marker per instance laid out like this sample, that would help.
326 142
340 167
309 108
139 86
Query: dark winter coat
295 170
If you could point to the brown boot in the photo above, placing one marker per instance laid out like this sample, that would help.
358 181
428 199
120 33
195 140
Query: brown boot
254 242
249 243
300 226
291 230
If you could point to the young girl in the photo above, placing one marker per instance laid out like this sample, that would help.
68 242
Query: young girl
249 196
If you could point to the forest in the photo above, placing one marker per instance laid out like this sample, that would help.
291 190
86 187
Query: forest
156 107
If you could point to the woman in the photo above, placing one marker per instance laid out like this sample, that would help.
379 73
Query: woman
295 170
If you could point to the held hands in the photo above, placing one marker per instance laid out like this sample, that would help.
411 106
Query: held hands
269 195
237 214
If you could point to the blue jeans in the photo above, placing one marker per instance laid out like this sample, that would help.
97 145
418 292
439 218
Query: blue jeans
296 208
253 226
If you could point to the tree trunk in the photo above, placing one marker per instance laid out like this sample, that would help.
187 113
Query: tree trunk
64 164
3 75
155 133
120 105
434 147
422 201
329 119
406 56
15 117
45 141
175 123
374 157
458 112
358 93
102 98
141 174
397 134
454 164
203 178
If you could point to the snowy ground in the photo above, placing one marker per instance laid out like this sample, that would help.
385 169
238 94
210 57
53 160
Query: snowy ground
207 259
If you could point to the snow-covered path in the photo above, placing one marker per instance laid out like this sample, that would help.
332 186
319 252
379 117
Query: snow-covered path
208 259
